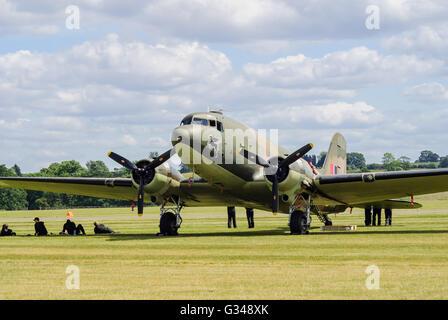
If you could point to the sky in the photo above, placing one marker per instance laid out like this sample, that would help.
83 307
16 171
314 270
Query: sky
81 78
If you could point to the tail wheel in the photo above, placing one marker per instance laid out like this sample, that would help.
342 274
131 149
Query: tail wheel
297 224
168 224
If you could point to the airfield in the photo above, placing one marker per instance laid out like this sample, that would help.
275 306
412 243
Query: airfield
209 261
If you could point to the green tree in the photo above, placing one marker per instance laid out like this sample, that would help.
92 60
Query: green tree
17 170
97 169
356 160
405 162
11 199
443 162
42 203
390 163
428 156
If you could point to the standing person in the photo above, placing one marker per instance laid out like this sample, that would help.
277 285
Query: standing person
101 228
368 216
250 217
388 216
6 231
376 214
231 216
39 227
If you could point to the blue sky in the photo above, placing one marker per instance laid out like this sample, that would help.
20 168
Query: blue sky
126 77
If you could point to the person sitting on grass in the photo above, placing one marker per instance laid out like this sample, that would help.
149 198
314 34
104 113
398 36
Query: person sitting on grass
101 228
39 227
6 231
70 228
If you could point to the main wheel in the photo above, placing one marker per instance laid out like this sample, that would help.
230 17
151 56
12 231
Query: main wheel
168 224
297 224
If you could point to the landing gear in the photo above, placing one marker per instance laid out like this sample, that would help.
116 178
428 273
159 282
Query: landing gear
168 225
298 223
388 216
170 219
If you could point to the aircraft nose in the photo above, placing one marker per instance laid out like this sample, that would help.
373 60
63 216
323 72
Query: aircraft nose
179 134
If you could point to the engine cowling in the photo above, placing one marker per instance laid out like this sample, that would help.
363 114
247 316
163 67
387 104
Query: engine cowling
157 181
290 178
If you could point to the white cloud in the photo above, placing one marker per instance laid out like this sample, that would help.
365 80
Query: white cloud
428 92
356 67
425 40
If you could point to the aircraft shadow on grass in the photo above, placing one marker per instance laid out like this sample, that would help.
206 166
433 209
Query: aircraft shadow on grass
282 231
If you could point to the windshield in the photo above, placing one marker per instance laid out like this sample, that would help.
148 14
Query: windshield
186 121
201 121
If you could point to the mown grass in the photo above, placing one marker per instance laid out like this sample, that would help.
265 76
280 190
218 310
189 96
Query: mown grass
209 261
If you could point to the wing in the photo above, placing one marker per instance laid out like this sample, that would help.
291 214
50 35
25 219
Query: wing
117 188
196 194
361 188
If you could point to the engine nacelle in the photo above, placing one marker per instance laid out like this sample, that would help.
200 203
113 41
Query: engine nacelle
289 178
157 181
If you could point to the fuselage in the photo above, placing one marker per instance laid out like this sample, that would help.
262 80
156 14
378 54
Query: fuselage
209 143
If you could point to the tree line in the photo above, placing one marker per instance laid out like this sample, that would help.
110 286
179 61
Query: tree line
16 199
356 162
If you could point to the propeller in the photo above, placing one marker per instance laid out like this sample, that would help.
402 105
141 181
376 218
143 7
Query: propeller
144 173
279 172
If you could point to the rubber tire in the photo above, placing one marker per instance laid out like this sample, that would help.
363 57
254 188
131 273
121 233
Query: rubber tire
297 224
168 224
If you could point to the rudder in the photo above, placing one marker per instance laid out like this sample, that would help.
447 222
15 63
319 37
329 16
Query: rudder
336 159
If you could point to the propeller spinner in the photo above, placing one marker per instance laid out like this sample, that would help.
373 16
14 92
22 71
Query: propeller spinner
147 170
278 170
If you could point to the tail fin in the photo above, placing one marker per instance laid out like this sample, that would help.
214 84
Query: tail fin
336 159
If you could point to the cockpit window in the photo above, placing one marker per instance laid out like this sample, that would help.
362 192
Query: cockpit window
212 123
200 121
219 127
186 121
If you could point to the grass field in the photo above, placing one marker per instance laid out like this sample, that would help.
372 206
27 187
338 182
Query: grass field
209 261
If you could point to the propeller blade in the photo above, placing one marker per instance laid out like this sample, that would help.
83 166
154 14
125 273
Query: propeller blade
140 197
160 159
254 158
275 195
123 161
296 155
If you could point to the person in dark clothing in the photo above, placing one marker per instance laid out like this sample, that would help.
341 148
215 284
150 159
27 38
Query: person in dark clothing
6 231
231 217
101 228
368 216
250 217
388 216
39 227
376 214
71 228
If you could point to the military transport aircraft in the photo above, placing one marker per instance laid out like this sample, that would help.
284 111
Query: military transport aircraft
236 166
